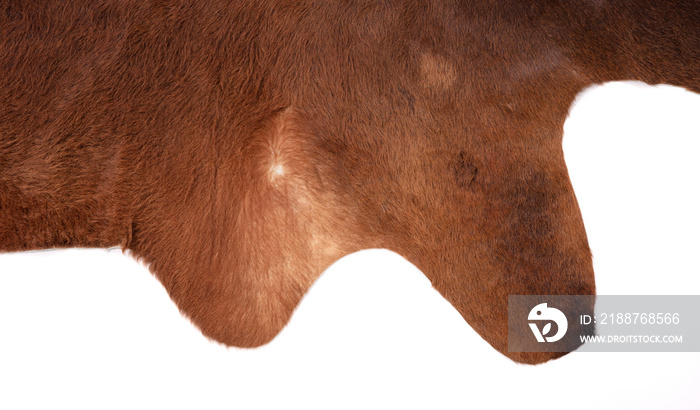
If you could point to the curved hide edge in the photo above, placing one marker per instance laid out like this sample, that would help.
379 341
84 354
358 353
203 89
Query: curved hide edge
501 221
241 262
520 233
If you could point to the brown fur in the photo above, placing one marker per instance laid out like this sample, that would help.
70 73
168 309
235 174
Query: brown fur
240 148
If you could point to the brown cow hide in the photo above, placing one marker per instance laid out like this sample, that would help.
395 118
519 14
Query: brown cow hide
240 148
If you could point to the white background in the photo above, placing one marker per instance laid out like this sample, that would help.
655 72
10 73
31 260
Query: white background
89 329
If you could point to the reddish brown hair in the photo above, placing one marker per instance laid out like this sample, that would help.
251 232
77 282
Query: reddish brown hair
240 148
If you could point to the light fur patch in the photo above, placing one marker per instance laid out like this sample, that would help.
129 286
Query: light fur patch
291 223
436 71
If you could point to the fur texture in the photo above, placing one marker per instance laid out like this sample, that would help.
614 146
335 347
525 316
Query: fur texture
240 148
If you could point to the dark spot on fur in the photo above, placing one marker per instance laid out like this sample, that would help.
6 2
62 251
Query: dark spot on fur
465 171
410 99
13 12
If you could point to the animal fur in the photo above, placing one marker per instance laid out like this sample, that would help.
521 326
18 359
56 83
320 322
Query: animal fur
240 148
